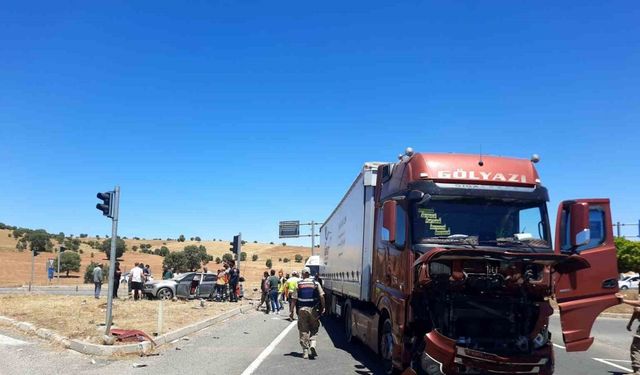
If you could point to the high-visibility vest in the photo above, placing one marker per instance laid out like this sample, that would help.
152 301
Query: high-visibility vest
308 295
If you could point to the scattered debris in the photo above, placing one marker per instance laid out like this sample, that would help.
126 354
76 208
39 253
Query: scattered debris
216 337
178 348
174 341
136 365
149 354
127 335
93 361
186 338
245 332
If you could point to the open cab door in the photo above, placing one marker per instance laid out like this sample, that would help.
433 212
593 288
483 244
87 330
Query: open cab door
584 230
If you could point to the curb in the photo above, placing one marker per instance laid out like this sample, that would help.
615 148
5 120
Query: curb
144 347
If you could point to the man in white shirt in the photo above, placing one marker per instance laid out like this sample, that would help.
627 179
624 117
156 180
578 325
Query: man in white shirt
136 281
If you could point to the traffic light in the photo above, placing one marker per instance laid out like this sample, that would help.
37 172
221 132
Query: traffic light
236 246
107 203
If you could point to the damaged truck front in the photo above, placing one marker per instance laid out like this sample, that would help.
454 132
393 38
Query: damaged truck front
449 268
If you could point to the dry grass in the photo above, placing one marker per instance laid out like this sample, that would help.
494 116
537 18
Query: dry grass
16 266
78 316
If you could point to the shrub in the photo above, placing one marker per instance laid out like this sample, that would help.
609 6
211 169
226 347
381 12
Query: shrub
243 256
198 239
254 257
284 244
218 260
268 263
88 273
298 258
286 260
181 238
227 257
255 241
164 251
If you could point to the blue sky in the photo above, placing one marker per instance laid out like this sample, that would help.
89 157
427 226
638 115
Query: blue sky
219 117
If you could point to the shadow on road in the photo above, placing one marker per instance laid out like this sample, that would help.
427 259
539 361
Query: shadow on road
368 363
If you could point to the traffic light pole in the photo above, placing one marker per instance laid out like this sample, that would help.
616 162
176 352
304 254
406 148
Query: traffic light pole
112 257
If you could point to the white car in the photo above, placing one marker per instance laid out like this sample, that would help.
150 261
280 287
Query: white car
629 282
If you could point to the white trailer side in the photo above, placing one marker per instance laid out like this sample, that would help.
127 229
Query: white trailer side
346 239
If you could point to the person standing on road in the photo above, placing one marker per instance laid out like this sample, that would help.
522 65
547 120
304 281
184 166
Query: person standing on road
97 280
274 282
117 274
264 288
635 344
310 303
290 289
136 276
234 278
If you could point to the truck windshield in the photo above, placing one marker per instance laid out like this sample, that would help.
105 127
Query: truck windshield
485 222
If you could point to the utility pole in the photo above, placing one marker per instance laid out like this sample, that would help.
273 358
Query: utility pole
313 237
618 226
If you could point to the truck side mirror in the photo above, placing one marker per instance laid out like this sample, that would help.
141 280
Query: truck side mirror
580 232
389 221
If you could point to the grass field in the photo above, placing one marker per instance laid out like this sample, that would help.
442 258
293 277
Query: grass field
16 266
79 317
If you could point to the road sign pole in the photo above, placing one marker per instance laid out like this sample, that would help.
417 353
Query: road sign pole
313 236
112 257
33 259
618 225
59 254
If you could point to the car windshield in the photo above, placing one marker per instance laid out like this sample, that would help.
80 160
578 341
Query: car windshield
486 222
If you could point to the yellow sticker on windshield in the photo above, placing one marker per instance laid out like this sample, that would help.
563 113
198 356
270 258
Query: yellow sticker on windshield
435 223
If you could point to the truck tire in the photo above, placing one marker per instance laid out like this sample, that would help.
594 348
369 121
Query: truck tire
385 345
348 323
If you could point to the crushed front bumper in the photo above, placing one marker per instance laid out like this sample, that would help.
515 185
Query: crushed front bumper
442 356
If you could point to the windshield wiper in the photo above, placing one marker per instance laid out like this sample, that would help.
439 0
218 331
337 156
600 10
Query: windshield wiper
454 239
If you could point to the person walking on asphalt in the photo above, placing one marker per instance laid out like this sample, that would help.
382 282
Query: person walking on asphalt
290 290
274 282
635 344
97 280
264 288
310 302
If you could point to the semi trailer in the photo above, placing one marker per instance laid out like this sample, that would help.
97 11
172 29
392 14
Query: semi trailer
444 264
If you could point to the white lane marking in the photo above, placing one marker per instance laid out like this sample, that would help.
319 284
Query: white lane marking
10 341
616 360
265 353
613 365
559 346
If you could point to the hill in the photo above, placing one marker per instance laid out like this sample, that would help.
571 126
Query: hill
16 265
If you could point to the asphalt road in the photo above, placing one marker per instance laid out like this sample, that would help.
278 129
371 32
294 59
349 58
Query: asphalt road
255 343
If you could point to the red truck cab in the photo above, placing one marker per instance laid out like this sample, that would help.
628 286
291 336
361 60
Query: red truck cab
464 269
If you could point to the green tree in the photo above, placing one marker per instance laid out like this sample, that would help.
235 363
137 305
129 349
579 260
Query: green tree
628 255
254 257
181 238
69 261
134 248
286 260
227 257
284 244
121 247
164 251
198 239
243 256
218 260
196 256
298 258
177 260
269 263
38 239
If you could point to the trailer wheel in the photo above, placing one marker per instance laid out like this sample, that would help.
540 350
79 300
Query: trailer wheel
385 346
348 322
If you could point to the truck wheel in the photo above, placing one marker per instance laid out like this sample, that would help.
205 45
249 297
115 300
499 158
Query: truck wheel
348 323
165 293
385 346
624 287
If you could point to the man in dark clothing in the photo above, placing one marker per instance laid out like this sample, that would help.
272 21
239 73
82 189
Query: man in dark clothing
274 282
264 288
234 278
635 344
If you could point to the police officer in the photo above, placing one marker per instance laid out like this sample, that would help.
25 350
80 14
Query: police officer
310 304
